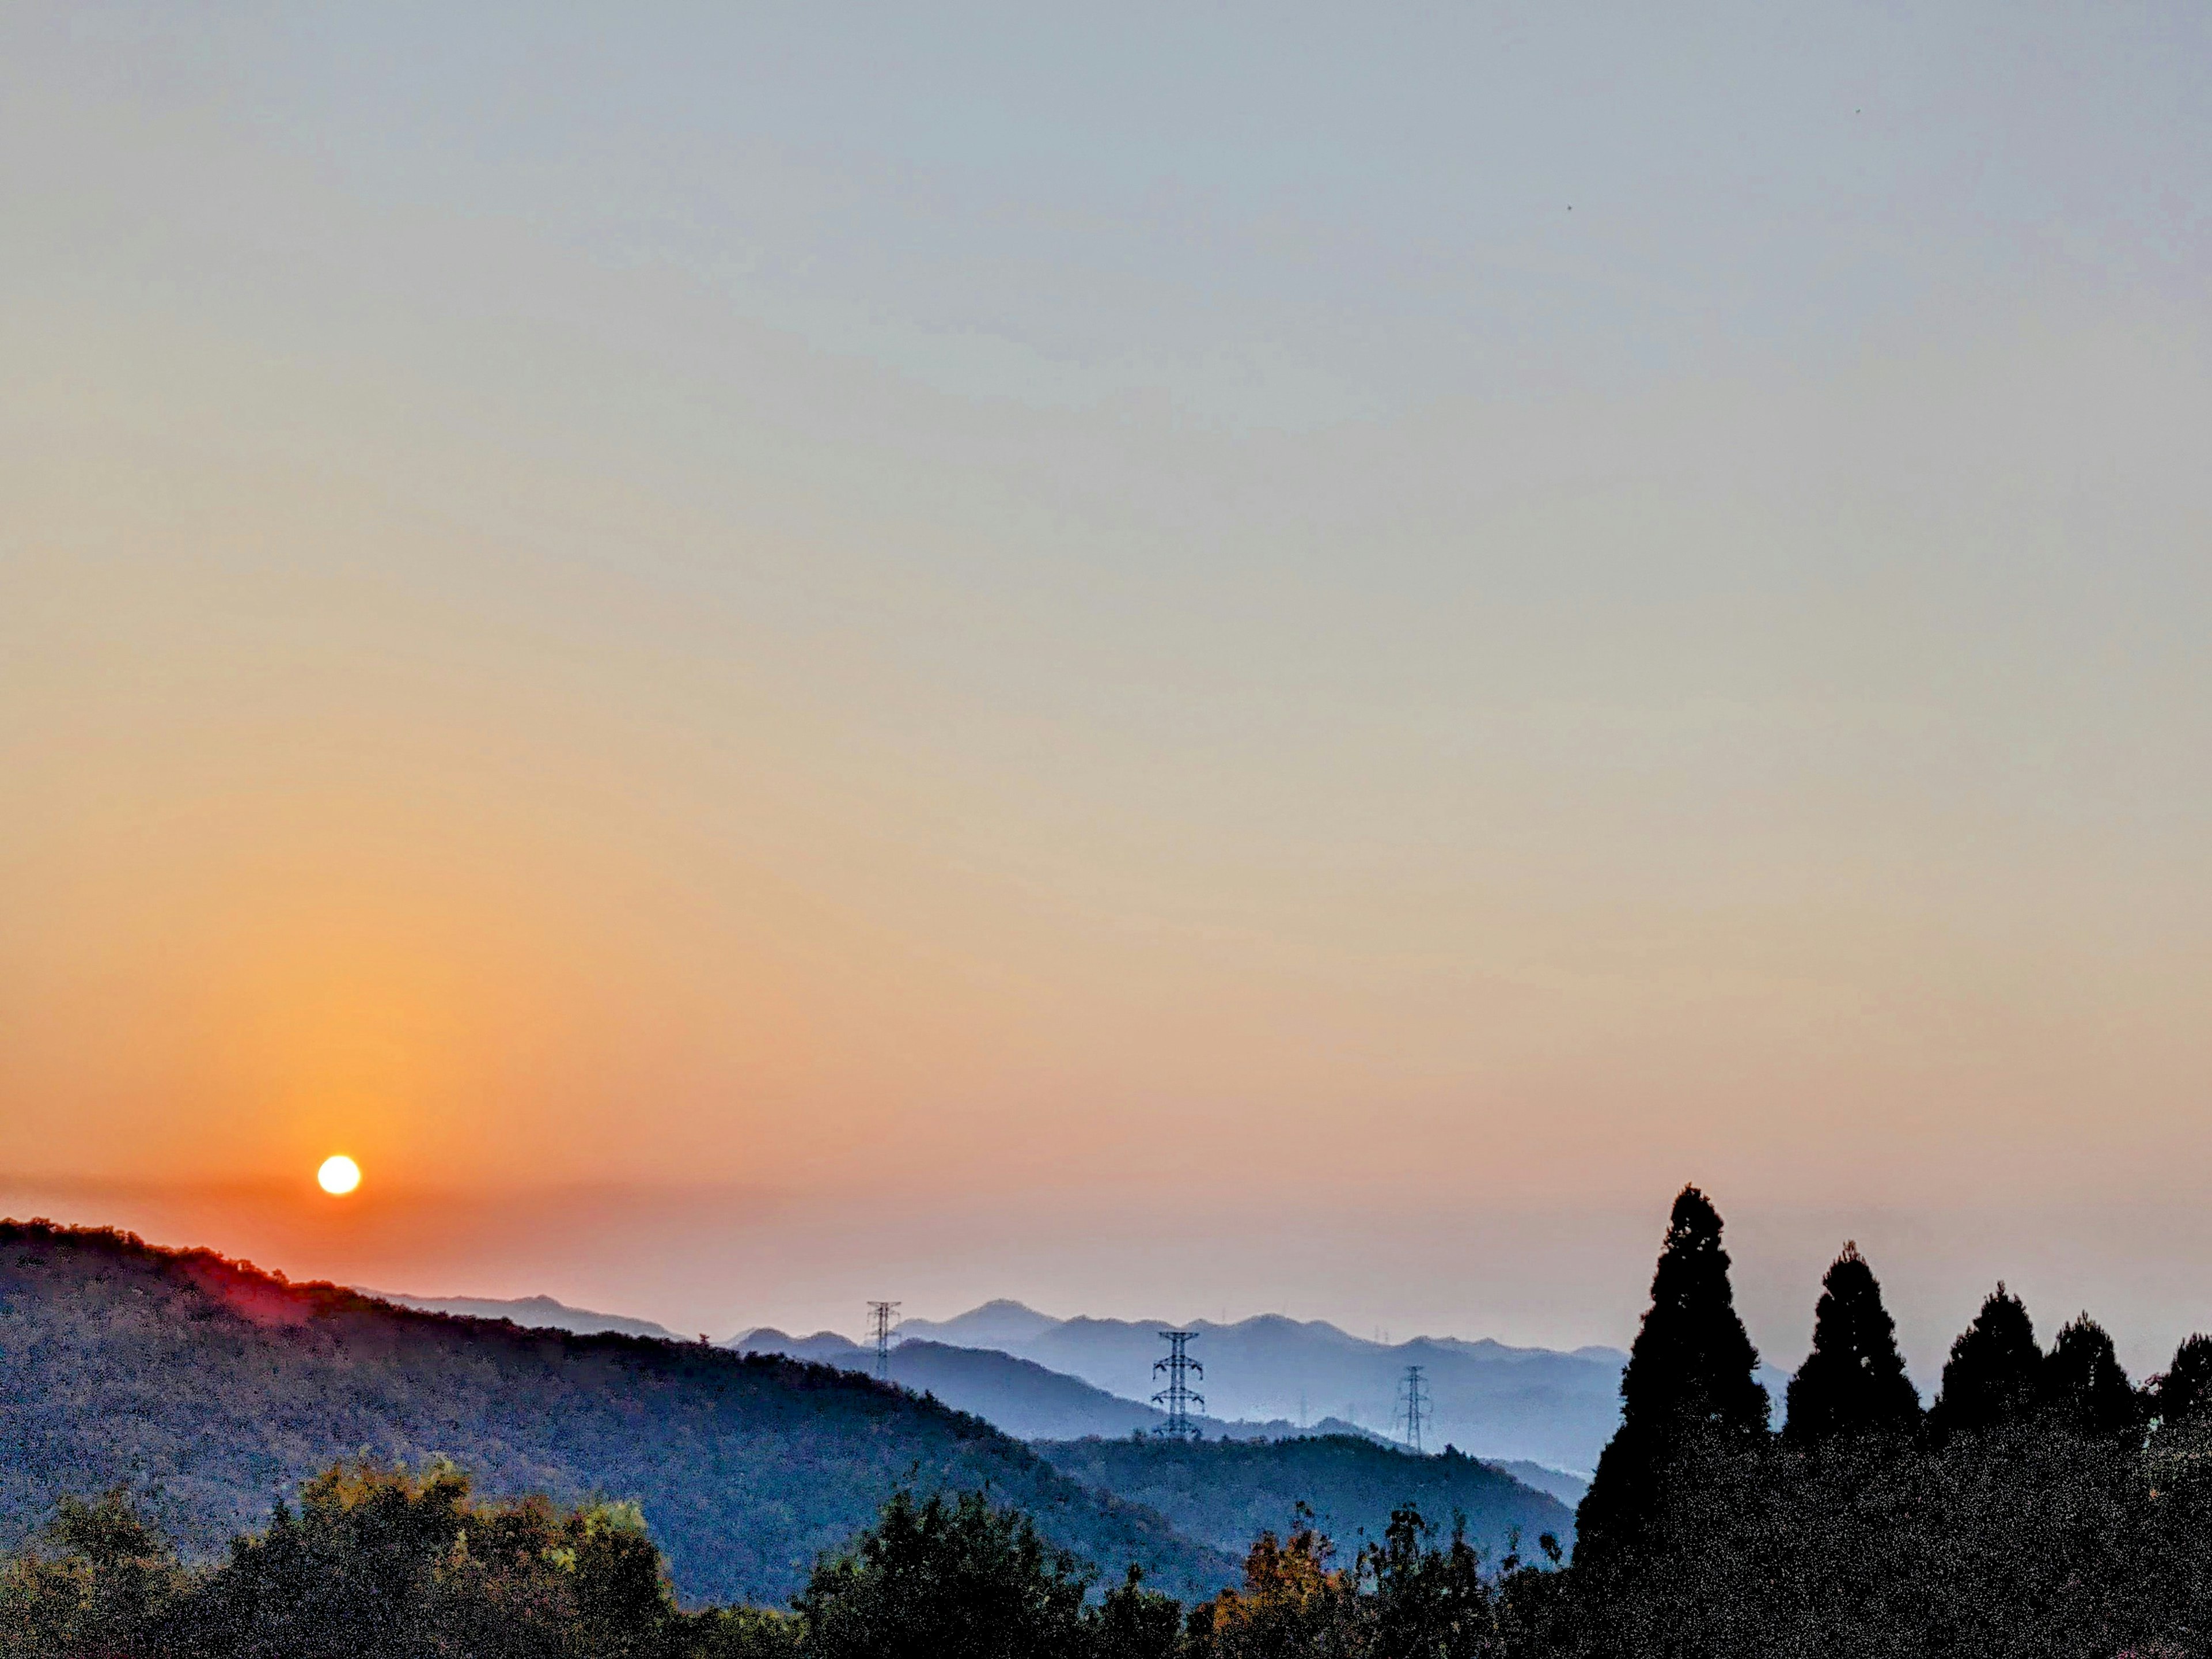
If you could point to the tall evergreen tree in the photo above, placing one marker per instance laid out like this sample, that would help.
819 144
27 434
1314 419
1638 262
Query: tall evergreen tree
2084 1385
1994 1366
1853 1380
1689 1386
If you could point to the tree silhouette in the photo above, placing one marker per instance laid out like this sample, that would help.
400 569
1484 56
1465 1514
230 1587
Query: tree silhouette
1853 1380
2183 1391
1689 1386
1992 1374
946 1579
2084 1385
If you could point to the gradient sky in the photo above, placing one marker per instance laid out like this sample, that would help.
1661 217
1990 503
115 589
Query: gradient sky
1164 660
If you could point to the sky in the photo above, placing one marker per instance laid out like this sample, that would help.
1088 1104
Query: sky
1169 660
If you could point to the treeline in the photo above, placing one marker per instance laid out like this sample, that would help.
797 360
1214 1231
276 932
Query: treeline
2045 1504
378 1563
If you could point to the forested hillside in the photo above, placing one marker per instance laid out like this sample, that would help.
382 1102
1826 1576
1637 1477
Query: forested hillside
217 1387
1229 1492
1019 1395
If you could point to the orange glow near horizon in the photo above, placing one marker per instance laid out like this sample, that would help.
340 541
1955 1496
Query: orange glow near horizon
821 660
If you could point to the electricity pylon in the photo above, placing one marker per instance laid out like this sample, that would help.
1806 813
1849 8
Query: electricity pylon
1413 1405
1178 1397
882 1316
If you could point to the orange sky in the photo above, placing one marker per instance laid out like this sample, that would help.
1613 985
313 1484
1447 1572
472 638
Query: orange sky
1034 672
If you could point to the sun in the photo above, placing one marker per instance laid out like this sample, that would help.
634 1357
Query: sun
339 1175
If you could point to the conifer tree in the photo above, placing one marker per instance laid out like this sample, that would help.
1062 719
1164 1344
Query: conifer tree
1994 1366
2084 1385
1689 1385
1853 1380
2185 1391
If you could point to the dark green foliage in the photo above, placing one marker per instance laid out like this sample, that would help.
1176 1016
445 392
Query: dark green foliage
2183 1391
222 1387
1428 1601
373 1564
1994 1371
1692 1363
939 1580
2084 1385
1688 1394
2021 1540
382 1561
1225 1493
1853 1382
102 1577
378 1563
1135 1623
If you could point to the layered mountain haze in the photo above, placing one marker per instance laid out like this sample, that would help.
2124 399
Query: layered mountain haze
1018 1395
531 1312
1493 1401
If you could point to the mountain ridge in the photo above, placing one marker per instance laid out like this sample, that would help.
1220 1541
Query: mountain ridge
1498 1401
214 1388
531 1312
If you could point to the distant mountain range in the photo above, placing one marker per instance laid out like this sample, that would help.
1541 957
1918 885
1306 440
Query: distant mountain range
1502 1404
531 1312
1018 1395
1541 1414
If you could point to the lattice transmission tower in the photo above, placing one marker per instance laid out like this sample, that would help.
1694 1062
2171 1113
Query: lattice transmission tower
882 1317
1413 1405
1178 1397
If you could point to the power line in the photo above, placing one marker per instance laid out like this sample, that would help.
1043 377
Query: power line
882 1316
1413 1405
1178 1397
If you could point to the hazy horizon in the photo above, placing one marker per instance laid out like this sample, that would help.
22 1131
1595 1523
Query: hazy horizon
718 1261
1147 661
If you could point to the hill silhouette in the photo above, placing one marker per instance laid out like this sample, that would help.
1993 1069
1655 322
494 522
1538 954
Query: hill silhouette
217 1387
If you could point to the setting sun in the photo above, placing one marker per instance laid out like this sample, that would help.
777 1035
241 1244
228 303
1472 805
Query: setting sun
339 1175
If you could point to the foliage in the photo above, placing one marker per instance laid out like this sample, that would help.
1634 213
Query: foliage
1853 1382
373 1561
2082 1382
1688 1392
957 1579
1992 1374
1404 1596
1225 1493
102 1575
2183 1389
